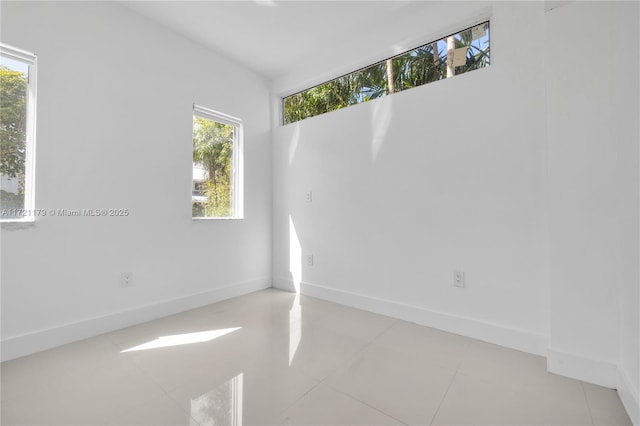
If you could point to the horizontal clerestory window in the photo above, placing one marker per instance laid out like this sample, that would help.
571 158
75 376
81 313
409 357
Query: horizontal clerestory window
464 51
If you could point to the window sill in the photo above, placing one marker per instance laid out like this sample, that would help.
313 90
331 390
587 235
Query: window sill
204 219
13 225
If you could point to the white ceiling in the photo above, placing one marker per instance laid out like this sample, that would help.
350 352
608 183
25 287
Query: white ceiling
274 37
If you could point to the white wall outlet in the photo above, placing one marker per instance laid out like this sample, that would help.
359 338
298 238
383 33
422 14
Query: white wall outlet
308 196
309 260
458 278
126 279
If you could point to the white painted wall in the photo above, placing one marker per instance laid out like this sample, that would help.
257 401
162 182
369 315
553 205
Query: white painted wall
115 95
406 189
582 183
626 135
593 204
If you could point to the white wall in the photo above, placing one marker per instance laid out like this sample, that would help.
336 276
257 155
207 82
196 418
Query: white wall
582 184
593 180
409 188
626 134
115 95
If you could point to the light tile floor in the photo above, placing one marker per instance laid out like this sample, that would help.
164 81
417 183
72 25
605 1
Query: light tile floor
294 360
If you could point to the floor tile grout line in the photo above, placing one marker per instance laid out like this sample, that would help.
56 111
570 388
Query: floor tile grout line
296 400
355 355
181 409
393 324
364 402
586 400
322 381
153 380
443 398
132 409
369 344
464 355
148 376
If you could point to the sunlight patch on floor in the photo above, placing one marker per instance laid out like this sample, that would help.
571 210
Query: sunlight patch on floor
182 339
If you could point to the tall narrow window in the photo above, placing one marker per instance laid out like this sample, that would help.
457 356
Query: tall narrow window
216 188
17 133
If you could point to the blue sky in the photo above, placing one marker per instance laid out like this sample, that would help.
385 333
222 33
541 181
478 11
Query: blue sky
15 65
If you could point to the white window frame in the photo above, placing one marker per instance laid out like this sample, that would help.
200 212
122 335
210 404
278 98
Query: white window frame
237 177
30 149
279 102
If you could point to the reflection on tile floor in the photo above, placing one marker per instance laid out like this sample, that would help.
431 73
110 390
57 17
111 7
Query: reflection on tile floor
272 357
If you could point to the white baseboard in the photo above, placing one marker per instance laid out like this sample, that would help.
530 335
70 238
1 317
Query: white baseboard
285 284
18 346
578 367
630 396
521 340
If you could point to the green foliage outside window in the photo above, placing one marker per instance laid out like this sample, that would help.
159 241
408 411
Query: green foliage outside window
425 64
213 151
13 118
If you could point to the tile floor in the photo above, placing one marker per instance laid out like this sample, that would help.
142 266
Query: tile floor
293 360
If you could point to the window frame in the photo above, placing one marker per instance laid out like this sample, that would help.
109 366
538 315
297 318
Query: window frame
30 59
469 26
237 178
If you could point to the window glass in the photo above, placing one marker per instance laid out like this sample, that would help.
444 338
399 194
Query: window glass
17 133
458 53
215 189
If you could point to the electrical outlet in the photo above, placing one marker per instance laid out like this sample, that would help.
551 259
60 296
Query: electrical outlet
458 278
310 260
308 197
126 279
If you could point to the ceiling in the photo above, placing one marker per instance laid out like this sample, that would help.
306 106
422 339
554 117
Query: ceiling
274 37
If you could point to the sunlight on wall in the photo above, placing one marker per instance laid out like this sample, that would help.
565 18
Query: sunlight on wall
182 339
295 327
400 48
269 3
295 313
295 256
220 406
380 121
293 145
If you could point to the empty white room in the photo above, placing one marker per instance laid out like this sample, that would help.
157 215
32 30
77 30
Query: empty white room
320 212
